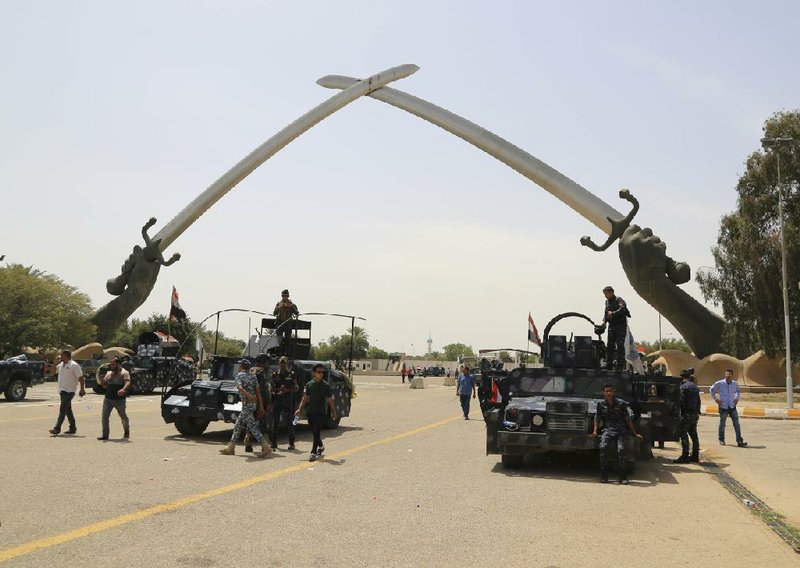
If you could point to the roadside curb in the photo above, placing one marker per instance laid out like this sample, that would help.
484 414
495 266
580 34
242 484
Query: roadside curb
756 412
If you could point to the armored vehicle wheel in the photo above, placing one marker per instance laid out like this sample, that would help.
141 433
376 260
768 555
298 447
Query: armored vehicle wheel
191 425
16 390
512 461
331 424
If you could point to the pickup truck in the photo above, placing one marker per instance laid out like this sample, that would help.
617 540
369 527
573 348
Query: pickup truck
17 375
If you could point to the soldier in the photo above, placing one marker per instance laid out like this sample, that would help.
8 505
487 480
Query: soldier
690 413
283 312
616 316
616 417
265 384
285 385
252 406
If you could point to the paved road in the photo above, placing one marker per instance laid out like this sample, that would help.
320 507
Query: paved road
405 483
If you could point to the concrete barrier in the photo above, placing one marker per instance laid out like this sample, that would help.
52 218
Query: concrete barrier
416 383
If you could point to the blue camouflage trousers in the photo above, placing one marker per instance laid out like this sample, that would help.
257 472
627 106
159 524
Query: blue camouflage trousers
248 422
608 439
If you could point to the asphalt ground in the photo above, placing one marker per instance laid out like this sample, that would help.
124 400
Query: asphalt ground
405 482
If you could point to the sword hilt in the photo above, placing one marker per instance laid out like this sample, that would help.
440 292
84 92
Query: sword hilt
677 272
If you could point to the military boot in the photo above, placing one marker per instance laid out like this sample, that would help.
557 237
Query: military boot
265 450
228 450
695 457
683 459
248 443
604 475
623 477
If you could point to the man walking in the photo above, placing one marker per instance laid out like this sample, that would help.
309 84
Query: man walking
726 393
464 387
615 415
252 409
117 382
316 395
285 385
690 414
616 316
70 375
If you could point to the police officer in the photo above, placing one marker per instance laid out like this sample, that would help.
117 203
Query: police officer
252 409
265 385
284 311
690 413
616 316
616 416
285 385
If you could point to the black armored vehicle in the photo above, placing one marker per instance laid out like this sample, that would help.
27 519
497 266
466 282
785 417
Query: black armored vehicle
193 404
537 410
18 374
155 364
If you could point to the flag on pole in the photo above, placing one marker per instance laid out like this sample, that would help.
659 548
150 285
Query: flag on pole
175 310
632 354
533 333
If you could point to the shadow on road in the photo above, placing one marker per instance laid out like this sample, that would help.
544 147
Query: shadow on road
302 434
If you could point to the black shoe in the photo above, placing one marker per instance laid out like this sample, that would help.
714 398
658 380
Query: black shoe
661 445
603 476
127 434
248 449
291 446
722 442
694 458
741 444
683 459
623 479
71 431
102 438
54 432
274 446
320 451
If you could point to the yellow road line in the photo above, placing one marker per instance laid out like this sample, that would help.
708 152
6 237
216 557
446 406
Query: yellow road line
61 538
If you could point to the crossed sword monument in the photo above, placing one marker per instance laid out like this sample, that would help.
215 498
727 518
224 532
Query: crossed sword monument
140 271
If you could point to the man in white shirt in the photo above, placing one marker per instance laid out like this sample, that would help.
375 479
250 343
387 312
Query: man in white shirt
726 393
70 375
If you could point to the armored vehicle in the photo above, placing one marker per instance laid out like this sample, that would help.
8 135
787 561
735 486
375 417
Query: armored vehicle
193 404
155 364
552 408
17 375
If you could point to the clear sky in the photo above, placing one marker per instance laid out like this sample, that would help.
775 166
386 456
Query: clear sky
113 112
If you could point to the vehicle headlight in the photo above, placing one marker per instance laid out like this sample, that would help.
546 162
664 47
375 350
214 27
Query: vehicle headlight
537 420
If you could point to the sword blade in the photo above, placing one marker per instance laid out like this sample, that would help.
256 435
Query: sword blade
249 163
580 199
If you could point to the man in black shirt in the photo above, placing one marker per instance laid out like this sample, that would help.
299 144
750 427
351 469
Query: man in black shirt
317 395
690 414
284 385
616 418
117 381
616 316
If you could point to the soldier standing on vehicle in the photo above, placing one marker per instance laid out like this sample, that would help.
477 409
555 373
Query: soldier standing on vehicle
284 311
117 382
252 410
316 395
70 375
616 417
690 414
285 385
616 316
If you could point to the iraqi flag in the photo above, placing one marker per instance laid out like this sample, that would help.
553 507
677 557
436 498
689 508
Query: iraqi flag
175 309
533 333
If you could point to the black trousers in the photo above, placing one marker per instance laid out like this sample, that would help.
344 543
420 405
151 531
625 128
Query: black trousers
65 411
615 356
282 406
689 430
315 420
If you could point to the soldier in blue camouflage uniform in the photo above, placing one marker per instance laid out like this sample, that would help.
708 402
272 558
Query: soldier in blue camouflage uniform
252 409
617 420
690 414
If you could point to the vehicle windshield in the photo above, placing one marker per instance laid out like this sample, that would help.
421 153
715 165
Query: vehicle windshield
582 386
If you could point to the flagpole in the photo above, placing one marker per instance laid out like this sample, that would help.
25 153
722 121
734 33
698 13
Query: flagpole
169 313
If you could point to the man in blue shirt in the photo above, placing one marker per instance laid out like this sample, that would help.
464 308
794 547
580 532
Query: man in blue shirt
465 386
726 393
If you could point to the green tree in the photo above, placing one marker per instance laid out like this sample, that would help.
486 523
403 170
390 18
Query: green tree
337 348
505 357
453 351
667 343
40 310
376 353
747 279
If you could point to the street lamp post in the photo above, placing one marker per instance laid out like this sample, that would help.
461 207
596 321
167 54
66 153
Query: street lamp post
774 144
